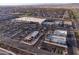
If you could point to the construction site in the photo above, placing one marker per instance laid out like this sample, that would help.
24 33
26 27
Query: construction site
41 33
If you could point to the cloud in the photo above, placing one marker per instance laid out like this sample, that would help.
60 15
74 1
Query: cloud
27 2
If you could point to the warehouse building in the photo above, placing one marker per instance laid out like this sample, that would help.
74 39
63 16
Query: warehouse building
52 23
60 33
28 19
55 41
32 38
67 23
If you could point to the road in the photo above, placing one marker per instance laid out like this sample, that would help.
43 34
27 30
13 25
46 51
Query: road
71 42
71 39
6 52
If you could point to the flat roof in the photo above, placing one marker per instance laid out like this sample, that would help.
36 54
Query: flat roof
68 22
58 22
53 22
57 39
33 19
49 23
33 34
60 32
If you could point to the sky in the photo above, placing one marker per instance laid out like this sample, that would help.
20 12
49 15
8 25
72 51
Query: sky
30 2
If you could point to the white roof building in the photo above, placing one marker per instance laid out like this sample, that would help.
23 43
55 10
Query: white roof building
58 22
53 22
33 34
60 32
39 20
57 38
68 23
